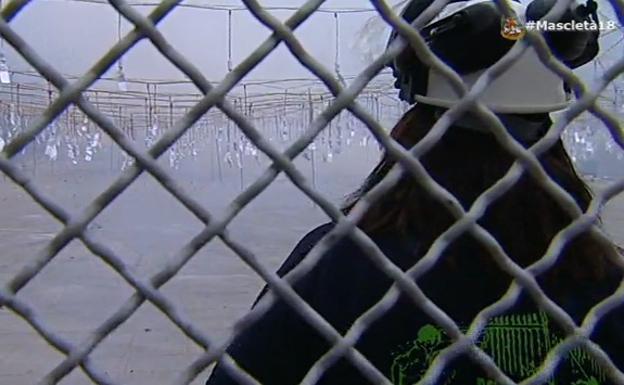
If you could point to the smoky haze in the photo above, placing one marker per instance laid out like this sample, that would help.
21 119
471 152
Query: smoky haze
73 35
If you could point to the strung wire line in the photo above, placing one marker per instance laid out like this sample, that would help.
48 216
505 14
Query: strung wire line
119 32
1 38
225 7
229 61
337 48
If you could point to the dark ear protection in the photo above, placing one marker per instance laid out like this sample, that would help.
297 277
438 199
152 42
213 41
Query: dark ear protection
470 40
574 48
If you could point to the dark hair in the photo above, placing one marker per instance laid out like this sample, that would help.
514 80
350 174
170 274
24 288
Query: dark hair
524 220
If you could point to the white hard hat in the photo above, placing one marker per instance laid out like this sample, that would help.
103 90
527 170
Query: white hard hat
526 87
470 37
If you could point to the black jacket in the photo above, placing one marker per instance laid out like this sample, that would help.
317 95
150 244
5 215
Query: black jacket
281 347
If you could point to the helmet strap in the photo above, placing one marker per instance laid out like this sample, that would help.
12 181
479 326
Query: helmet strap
525 128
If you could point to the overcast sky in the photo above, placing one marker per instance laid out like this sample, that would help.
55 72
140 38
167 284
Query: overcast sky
73 35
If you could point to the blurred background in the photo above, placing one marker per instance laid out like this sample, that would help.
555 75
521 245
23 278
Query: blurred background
72 161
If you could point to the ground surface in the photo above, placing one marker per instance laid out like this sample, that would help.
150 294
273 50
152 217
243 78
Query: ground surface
146 227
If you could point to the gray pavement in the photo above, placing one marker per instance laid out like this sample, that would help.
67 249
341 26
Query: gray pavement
146 226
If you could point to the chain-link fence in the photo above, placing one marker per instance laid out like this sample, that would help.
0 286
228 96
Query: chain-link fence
75 226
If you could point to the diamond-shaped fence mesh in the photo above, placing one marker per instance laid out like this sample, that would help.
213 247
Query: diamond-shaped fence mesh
344 98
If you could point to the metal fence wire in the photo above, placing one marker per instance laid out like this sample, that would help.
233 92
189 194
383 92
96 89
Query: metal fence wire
343 345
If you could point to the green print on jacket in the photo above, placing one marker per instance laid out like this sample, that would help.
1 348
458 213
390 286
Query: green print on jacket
517 343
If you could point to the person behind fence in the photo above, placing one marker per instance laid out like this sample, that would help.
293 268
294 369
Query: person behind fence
281 346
